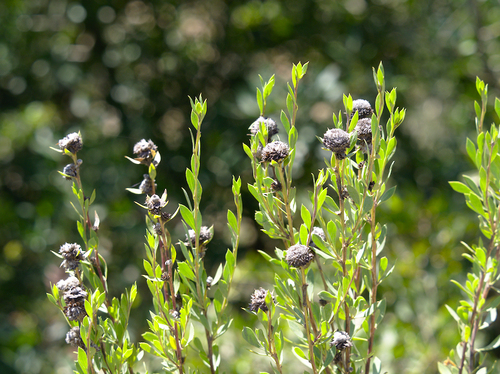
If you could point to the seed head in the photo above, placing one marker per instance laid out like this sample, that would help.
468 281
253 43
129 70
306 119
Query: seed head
364 130
258 300
341 340
298 255
209 282
275 151
319 232
73 338
272 128
72 254
146 185
363 108
205 236
75 304
337 141
145 150
155 204
68 283
71 170
72 142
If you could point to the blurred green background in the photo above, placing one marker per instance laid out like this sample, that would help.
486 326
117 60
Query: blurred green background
120 71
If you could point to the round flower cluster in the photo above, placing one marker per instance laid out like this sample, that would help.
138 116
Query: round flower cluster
341 340
298 256
72 254
74 338
275 151
71 142
258 300
146 185
271 126
205 236
71 170
75 303
155 204
145 150
338 140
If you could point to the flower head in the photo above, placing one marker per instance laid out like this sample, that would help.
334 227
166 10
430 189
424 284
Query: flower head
341 340
145 151
75 303
298 255
155 203
272 128
146 185
363 108
258 300
205 236
68 283
337 141
71 142
71 170
74 338
319 232
72 254
364 130
275 151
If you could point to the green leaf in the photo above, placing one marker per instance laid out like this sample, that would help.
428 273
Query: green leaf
306 216
82 359
383 263
460 187
285 121
443 369
387 194
260 101
301 356
493 345
185 270
250 337
187 216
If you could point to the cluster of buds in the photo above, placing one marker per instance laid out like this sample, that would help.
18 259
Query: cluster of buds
338 140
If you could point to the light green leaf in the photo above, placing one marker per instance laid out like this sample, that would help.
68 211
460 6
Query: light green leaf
250 337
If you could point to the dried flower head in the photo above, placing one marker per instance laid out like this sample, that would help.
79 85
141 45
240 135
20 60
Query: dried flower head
275 151
363 108
71 170
298 255
157 229
364 130
74 338
209 282
341 340
155 204
146 185
258 300
319 232
205 236
68 283
72 254
75 304
145 150
337 141
71 142
276 186
272 128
